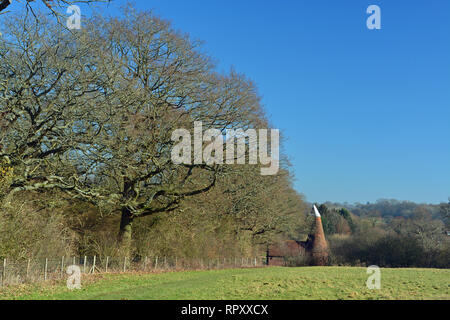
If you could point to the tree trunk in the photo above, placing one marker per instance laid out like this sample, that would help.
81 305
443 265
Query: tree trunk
126 223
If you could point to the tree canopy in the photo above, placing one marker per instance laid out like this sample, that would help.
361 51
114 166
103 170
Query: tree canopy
91 113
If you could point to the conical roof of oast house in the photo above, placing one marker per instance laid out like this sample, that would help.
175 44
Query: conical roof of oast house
320 246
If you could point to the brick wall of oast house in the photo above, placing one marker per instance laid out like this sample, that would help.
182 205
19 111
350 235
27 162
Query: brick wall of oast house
276 253
316 246
286 248
319 249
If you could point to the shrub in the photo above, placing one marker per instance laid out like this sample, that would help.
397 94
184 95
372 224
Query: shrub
26 231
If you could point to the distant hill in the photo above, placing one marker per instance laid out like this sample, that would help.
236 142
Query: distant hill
390 208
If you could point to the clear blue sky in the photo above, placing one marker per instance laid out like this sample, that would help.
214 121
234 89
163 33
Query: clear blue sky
366 113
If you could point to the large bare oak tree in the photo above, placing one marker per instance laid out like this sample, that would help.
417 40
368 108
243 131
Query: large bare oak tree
92 112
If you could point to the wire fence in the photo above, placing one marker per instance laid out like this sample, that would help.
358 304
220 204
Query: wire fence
45 269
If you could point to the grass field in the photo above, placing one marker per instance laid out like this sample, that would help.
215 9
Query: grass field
265 283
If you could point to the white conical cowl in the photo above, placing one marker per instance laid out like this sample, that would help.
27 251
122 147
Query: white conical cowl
316 212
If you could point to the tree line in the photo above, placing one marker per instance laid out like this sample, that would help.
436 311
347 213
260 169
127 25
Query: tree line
86 119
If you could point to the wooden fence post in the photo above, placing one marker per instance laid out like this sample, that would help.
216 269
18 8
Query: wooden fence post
125 264
4 272
156 263
28 268
84 265
62 266
93 265
106 268
45 269
145 263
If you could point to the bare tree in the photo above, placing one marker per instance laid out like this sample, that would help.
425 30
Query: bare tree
45 89
52 5
92 112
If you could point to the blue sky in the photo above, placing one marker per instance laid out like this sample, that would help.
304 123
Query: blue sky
366 113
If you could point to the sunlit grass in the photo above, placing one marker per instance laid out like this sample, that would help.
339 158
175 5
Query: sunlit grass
265 283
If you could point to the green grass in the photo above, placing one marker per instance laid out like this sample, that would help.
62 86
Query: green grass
265 283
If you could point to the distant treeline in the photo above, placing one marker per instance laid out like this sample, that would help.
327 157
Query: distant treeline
390 208
388 233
